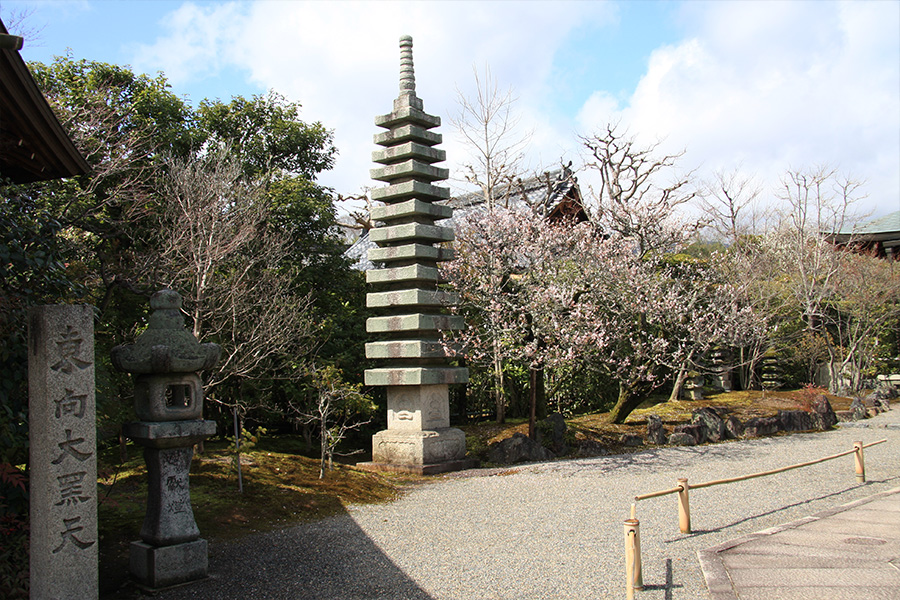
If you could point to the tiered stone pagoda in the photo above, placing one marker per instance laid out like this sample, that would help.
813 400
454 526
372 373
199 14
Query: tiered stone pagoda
416 370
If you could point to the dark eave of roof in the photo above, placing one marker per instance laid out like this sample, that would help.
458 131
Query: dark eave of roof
33 144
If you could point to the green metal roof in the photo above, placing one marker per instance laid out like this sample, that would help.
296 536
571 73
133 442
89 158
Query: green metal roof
889 223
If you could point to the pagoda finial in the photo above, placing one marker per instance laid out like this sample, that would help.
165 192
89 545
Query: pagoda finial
407 72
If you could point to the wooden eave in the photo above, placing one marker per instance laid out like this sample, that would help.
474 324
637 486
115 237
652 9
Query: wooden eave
33 144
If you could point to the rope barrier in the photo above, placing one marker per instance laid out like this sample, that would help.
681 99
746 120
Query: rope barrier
634 577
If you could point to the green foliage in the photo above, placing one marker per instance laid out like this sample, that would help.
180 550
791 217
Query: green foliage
13 533
247 442
13 557
268 135
340 407
32 272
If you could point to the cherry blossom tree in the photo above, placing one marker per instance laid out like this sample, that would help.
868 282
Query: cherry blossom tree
640 192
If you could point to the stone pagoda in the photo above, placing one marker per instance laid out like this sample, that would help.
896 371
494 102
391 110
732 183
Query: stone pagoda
415 364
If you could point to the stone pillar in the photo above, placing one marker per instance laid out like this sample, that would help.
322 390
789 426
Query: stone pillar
62 453
416 374
168 397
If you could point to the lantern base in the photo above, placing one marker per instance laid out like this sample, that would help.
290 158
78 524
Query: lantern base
164 566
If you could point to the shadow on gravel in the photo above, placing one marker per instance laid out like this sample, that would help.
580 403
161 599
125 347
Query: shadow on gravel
697 509
670 582
327 559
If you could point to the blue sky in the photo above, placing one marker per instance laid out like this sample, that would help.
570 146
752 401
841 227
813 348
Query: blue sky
760 86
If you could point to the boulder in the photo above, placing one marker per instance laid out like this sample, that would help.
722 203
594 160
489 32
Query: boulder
518 448
760 426
682 439
590 448
694 430
795 420
823 416
554 426
733 427
712 426
883 404
631 440
857 410
655 432
884 391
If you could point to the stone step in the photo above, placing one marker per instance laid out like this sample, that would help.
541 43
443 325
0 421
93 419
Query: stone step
407 114
407 190
414 322
410 252
406 349
408 133
408 232
409 169
413 272
412 297
417 376
411 208
408 150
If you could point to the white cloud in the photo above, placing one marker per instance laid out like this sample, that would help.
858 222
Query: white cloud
765 85
340 60
774 86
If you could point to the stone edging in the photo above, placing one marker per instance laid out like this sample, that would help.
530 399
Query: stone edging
717 580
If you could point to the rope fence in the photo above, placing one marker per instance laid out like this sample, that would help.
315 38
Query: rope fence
634 577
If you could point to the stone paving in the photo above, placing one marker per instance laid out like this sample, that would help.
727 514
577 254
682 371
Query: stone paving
851 552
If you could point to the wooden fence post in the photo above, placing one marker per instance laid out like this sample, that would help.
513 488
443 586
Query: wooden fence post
860 462
634 579
684 507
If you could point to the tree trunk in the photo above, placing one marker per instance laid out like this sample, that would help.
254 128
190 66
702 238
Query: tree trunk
679 382
627 402
499 396
323 447
532 392
541 397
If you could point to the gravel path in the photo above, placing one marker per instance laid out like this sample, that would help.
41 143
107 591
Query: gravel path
551 530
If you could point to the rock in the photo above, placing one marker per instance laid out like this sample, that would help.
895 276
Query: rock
682 439
655 432
555 427
712 426
872 412
857 410
733 428
518 448
631 440
591 448
694 430
760 426
795 420
886 391
844 415
822 414
883 404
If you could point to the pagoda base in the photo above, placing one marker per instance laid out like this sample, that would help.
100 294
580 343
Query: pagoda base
417 451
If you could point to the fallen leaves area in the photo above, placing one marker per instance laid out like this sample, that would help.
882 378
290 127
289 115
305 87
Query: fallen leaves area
594 435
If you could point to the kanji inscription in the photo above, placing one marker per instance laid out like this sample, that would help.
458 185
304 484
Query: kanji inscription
62 430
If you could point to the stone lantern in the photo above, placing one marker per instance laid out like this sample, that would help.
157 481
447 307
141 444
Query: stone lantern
168 399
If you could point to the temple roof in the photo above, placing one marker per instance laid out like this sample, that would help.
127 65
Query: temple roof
33 144
880 237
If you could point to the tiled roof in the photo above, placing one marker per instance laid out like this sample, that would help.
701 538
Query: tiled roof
886 224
